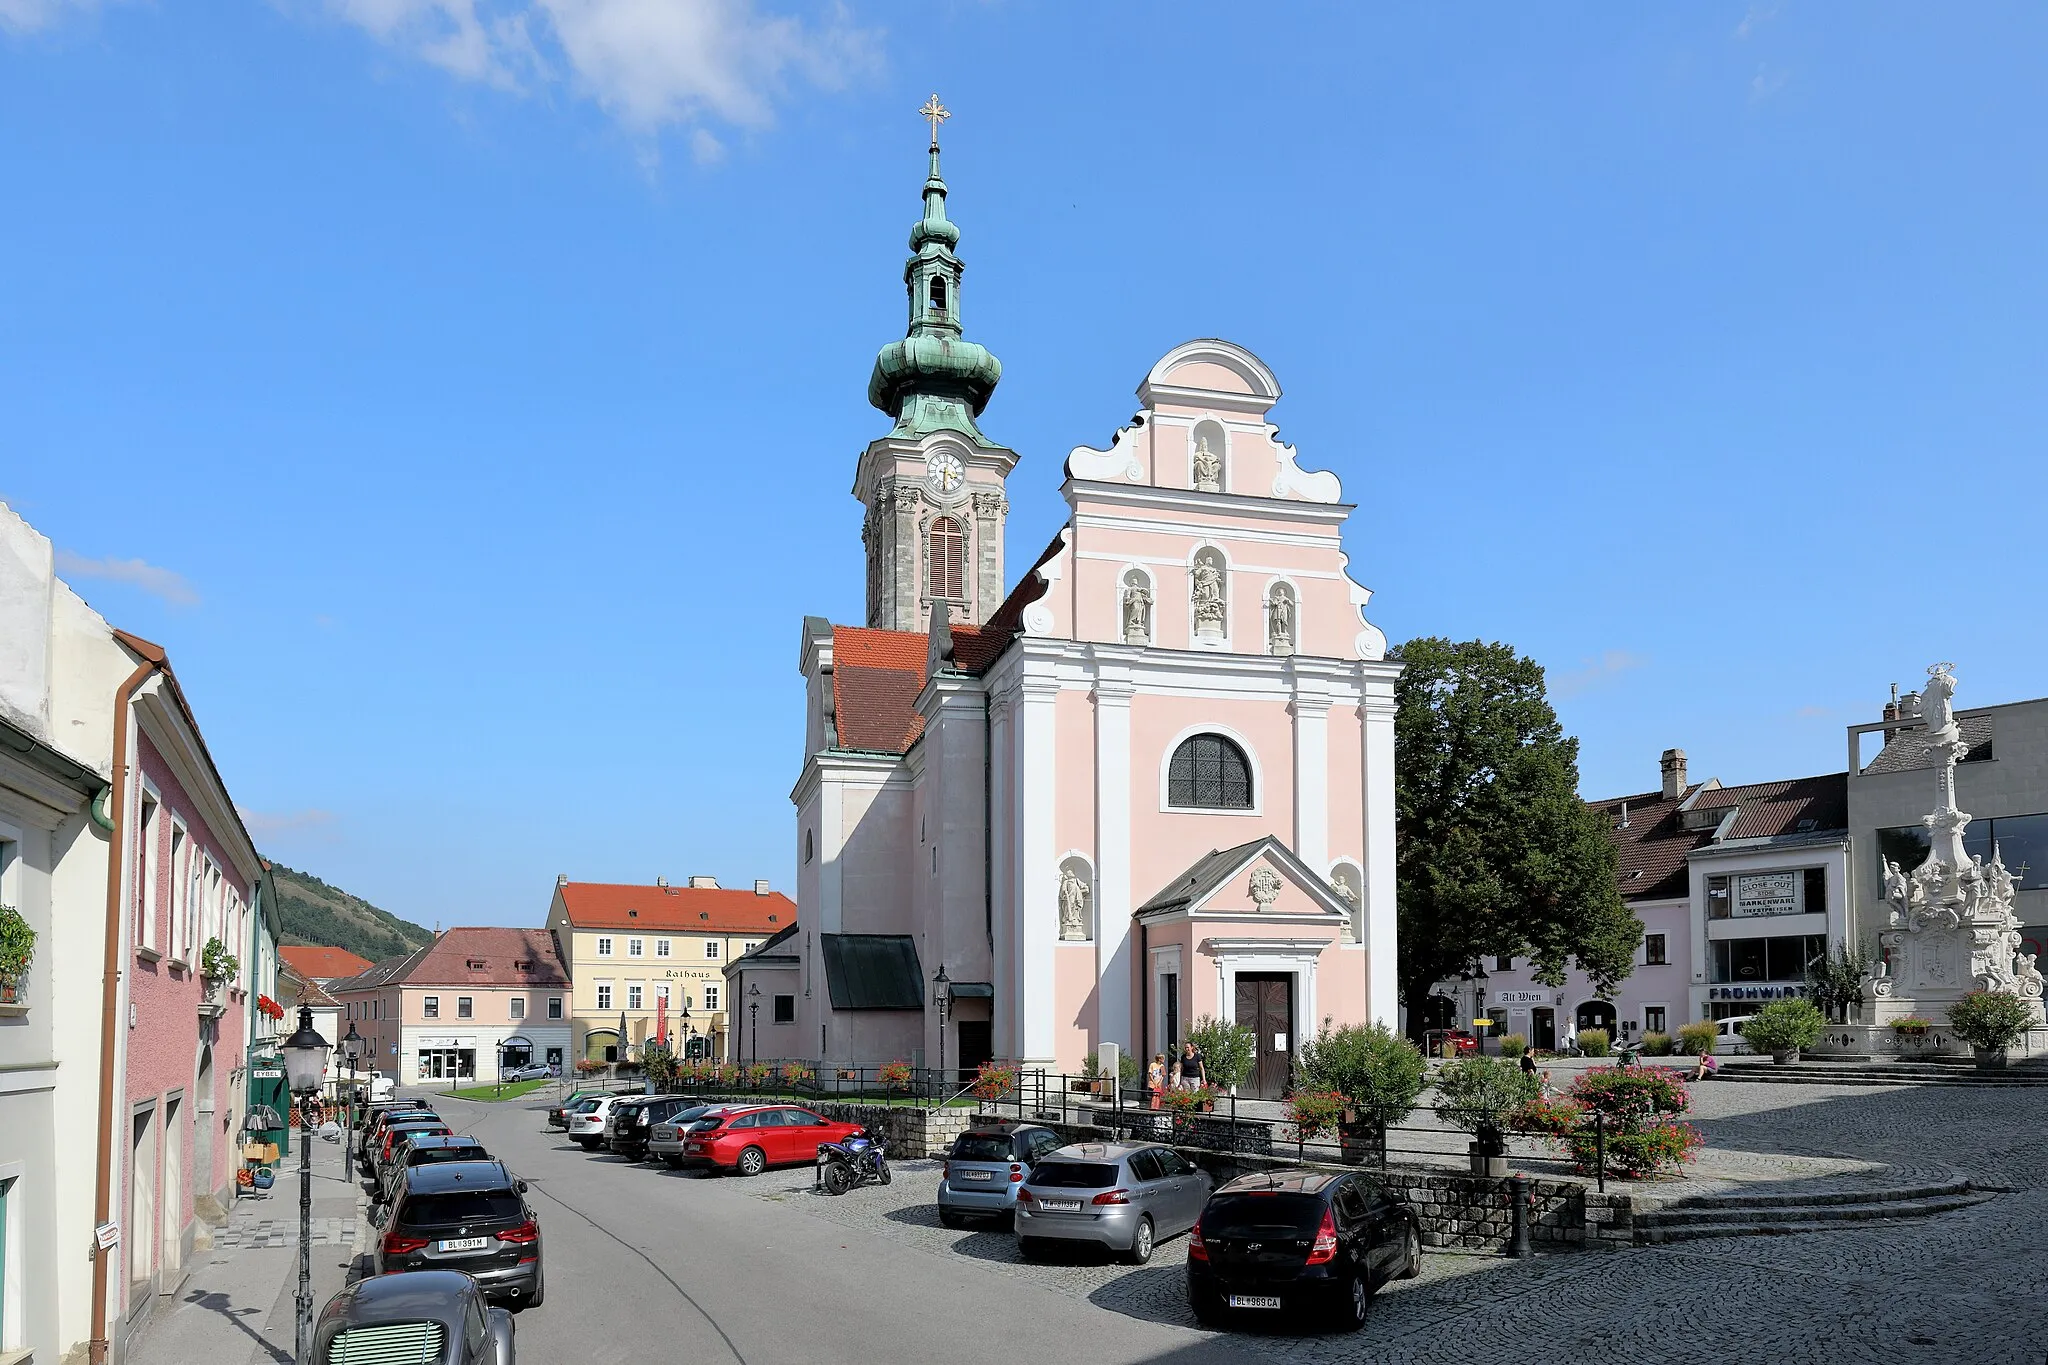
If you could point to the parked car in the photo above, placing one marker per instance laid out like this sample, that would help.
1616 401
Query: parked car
1460 1041
432 1317
1291 1243
985 1168
1728 1039
666 1136
428 1150
558 1115
1123 1196
750 1138
469 1216
372 1139
586 1120
388 1144
630 1129
536 1071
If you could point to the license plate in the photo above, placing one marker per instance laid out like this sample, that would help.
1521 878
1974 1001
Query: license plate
695 1147
464 1243
1062 1205
1254 1301
979 1175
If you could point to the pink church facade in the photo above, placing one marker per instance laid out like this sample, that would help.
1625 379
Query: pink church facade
1153 782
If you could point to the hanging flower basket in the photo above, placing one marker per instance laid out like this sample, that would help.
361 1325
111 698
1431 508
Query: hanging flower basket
895 1075
269 1008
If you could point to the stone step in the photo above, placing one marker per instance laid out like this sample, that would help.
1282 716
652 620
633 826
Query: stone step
1897 1194
1659 1228
1818 1073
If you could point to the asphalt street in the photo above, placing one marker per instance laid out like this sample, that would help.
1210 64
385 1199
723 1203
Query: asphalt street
647 1264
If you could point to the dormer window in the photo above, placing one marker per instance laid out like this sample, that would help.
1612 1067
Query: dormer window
475 964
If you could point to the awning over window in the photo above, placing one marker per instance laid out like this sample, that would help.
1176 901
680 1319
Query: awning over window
974 990
872 971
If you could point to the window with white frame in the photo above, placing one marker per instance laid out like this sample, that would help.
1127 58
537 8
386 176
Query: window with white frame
711 997
711 949
636 947
180 901
604 947
604 995
554 1007
465 1007
661 947
147 928
430 1006
633 990
518 1007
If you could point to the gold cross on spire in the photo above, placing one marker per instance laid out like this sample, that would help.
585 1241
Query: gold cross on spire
935 113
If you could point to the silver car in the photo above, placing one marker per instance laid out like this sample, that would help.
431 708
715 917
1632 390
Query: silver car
985 1168
1123 1196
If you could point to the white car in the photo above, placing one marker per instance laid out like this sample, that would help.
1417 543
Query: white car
586 1121
1728 1040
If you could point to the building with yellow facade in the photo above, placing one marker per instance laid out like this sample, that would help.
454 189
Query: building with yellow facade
644 960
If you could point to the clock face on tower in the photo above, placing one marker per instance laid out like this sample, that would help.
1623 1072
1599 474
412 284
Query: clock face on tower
945 472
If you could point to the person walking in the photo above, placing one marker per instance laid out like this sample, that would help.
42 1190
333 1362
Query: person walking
1155 1078
1194 1068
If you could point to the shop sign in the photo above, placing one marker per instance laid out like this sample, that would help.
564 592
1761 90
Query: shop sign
264 1073
1758 894
1521 997
1755 992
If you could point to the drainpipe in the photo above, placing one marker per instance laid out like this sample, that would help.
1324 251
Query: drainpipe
110 999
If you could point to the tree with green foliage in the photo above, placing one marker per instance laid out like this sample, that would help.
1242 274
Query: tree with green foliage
1496 855
1377 1070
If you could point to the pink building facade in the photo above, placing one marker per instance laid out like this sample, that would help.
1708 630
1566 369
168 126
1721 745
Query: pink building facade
1153 782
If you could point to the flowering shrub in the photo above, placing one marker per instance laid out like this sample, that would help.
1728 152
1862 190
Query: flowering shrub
795 1073
895 1073
589 1067
269 1008
1555 1117
216 963
758 1074
1632 1155
1637 1104
994 1080
1992 1020
1315 1112
1784 1026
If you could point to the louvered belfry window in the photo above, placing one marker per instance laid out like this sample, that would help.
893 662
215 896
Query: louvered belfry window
1208 772
945 561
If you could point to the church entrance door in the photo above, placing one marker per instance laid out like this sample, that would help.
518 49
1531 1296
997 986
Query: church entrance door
1265 1004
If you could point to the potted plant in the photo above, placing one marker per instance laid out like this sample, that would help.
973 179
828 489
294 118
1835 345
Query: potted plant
17 950
1228 1050
1091 1077
1990 1022
1479 1095
216 965
1314 1113
796 1073
1783 1027
1380 1073
269 1008
895 1075
994 1080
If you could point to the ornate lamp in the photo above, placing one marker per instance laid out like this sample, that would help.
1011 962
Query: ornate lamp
305 1055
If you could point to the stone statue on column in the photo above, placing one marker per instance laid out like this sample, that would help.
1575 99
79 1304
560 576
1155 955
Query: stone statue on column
1073 905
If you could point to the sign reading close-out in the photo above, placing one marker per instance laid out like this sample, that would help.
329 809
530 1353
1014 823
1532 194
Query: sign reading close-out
1766 893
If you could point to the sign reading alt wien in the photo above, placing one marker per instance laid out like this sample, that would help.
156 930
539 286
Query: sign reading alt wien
1521 997
1758 894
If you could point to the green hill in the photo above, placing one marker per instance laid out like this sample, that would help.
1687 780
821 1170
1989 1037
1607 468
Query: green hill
314 912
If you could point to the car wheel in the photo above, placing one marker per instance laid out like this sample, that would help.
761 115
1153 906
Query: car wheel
752 1161
1207 1307
1356 1304
1141 1243
950 1219
540 1289
1030 1248
674 1163
1411 1256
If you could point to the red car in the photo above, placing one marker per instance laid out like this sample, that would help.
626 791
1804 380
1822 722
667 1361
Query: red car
1456 1038
749 1138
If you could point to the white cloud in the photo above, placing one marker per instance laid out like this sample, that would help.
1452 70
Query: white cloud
25 16
650 64
158 582
1756 18
1595 672
266 824
1767 81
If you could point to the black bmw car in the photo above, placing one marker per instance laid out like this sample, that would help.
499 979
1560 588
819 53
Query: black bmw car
1297 1243
469 1216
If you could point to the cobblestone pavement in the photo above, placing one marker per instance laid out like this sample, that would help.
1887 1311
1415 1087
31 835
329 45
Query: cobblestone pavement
1963 1287
277 1232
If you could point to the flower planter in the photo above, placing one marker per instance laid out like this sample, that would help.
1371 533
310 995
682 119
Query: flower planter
1785 1058
1360 1144
1991 1058
1486 1164
10 990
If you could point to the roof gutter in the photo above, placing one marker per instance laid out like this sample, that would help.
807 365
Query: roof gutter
110 994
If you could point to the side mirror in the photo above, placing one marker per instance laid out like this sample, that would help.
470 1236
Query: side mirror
499 1322
521 1185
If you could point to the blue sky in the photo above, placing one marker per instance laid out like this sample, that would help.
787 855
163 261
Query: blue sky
467 391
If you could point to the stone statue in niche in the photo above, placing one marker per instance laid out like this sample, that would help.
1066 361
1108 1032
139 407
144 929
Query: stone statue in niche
1206 587
1073 905
1137 610
1280 621
1265 888
1341 884
1208 466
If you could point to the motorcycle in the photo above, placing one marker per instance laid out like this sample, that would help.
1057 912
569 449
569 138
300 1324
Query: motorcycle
860 1160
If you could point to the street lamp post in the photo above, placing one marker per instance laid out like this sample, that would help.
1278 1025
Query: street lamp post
754 1013
942 1001
351 1052
689 1054
305 1063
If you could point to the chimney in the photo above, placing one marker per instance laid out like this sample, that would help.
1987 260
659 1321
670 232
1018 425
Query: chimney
661 882
760 887
1624 816
1673 764
561 879
704 883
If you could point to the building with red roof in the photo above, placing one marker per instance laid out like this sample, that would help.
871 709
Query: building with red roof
469 1002
321 964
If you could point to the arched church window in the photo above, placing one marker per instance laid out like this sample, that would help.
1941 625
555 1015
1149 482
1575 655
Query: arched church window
938 294
1208 772
945 561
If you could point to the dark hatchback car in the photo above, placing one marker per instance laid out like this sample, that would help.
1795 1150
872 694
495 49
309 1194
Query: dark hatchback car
391 1145
437 1317
1287 1244
429 1150
371 1139
631 1124
469 1216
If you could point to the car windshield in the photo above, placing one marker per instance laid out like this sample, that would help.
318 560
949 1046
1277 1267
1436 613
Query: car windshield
427 1156
1262 1215
459 1206
689 1114
982 1147
1073 1175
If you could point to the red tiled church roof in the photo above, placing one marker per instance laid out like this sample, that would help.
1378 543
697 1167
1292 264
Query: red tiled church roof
677 909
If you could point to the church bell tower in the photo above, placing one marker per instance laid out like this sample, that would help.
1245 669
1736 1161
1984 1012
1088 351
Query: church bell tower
933 486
